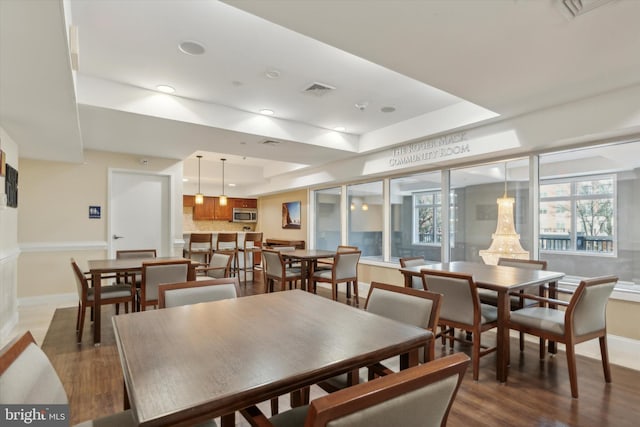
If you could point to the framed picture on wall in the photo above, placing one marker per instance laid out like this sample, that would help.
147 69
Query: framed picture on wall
291 215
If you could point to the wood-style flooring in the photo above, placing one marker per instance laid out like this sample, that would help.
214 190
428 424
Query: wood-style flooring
537 393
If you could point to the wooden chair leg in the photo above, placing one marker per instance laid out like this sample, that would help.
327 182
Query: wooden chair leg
81 325
355 292
521 341
543 350
78 316
274 406
117 309
604 353
334 291
476 354
571 364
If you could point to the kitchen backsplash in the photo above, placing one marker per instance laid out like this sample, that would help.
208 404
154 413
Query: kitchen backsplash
190 226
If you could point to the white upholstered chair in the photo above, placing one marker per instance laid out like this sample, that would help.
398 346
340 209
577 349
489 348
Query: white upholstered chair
157 273
343 270
193 292
416 282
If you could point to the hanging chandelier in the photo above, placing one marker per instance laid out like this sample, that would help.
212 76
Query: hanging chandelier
199 196
506 242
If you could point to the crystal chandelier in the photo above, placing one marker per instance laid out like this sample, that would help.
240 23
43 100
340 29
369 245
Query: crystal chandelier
506 242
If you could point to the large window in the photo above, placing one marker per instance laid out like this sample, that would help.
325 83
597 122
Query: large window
578 214
327 218
366 218
427 218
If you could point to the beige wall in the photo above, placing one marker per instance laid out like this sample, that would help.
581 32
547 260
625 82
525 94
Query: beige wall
270 216
54 224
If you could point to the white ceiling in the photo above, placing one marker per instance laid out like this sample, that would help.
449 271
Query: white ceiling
495 57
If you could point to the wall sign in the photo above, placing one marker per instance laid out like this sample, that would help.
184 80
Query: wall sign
94 212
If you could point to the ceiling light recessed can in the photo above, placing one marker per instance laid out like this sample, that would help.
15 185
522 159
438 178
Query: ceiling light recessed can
388 109
339 128
267 112
165 88
191 47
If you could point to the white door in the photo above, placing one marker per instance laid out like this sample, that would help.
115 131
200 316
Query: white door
139 212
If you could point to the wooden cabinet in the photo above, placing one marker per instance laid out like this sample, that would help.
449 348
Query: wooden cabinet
223 213
206 210
188 201
245 203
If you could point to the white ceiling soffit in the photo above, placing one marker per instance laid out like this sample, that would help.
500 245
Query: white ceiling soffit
37 96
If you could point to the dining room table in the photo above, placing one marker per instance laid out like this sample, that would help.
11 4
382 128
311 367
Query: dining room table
193 363
501 279
98 268
307 258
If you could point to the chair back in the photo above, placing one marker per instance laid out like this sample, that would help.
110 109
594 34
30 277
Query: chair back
416 282
253 240
531 264
136 253
219 266
82 284
273 263
27 376
345 265
345 248
185 293
228 241
284 248
418 396
460 301
157 273
411 306
587 309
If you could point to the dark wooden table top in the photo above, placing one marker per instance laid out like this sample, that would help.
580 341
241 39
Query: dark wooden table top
308 254
207 360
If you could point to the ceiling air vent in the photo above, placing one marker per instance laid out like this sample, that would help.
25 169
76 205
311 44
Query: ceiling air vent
318 89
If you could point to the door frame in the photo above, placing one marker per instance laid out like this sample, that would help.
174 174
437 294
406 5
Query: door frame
170 208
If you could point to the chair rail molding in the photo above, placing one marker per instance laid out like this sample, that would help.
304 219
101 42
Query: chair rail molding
63 246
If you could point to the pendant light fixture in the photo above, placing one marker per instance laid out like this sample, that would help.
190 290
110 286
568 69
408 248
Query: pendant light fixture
506 242
223 199
199 195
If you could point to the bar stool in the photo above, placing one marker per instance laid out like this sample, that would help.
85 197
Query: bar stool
251 247
227 243
200 244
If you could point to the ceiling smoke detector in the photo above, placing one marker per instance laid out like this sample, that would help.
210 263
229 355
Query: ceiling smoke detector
318 89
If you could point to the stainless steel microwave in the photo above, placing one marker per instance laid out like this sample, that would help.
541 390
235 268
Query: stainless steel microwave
245 215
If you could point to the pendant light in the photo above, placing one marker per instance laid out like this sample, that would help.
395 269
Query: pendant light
199 195
506 242
223 199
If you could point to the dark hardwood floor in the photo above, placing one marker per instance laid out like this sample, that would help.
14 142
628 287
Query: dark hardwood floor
537 393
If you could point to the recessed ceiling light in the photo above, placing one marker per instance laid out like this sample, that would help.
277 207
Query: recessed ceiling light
231 185
191 47
185 179
267 112
388 109
272 74
339 128
165 89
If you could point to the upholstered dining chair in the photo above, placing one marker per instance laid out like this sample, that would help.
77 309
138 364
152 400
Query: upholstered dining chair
193 292
461 308
416 282
28 377
487 296
276 270
219 266
411 306
416 397
582 319
110 294
251 248
200 245
133 254
157 273
327 263
344 269
227 243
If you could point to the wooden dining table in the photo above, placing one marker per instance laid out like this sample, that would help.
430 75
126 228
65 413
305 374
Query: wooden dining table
188 364
110 266
501 279
307 257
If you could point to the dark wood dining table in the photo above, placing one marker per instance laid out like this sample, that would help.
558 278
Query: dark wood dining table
501 279
187 364
100 267
307 257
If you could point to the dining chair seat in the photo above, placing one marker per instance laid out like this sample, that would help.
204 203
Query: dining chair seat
108 292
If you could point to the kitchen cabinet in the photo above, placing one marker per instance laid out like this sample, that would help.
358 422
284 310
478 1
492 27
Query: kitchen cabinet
205 211
223 213
245 203
188 201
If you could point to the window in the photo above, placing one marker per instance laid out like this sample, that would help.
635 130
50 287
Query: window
327 218
427 218
365 218
577 214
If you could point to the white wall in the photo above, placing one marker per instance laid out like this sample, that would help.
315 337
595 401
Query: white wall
9 250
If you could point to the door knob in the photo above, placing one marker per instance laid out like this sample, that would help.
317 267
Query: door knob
116 237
